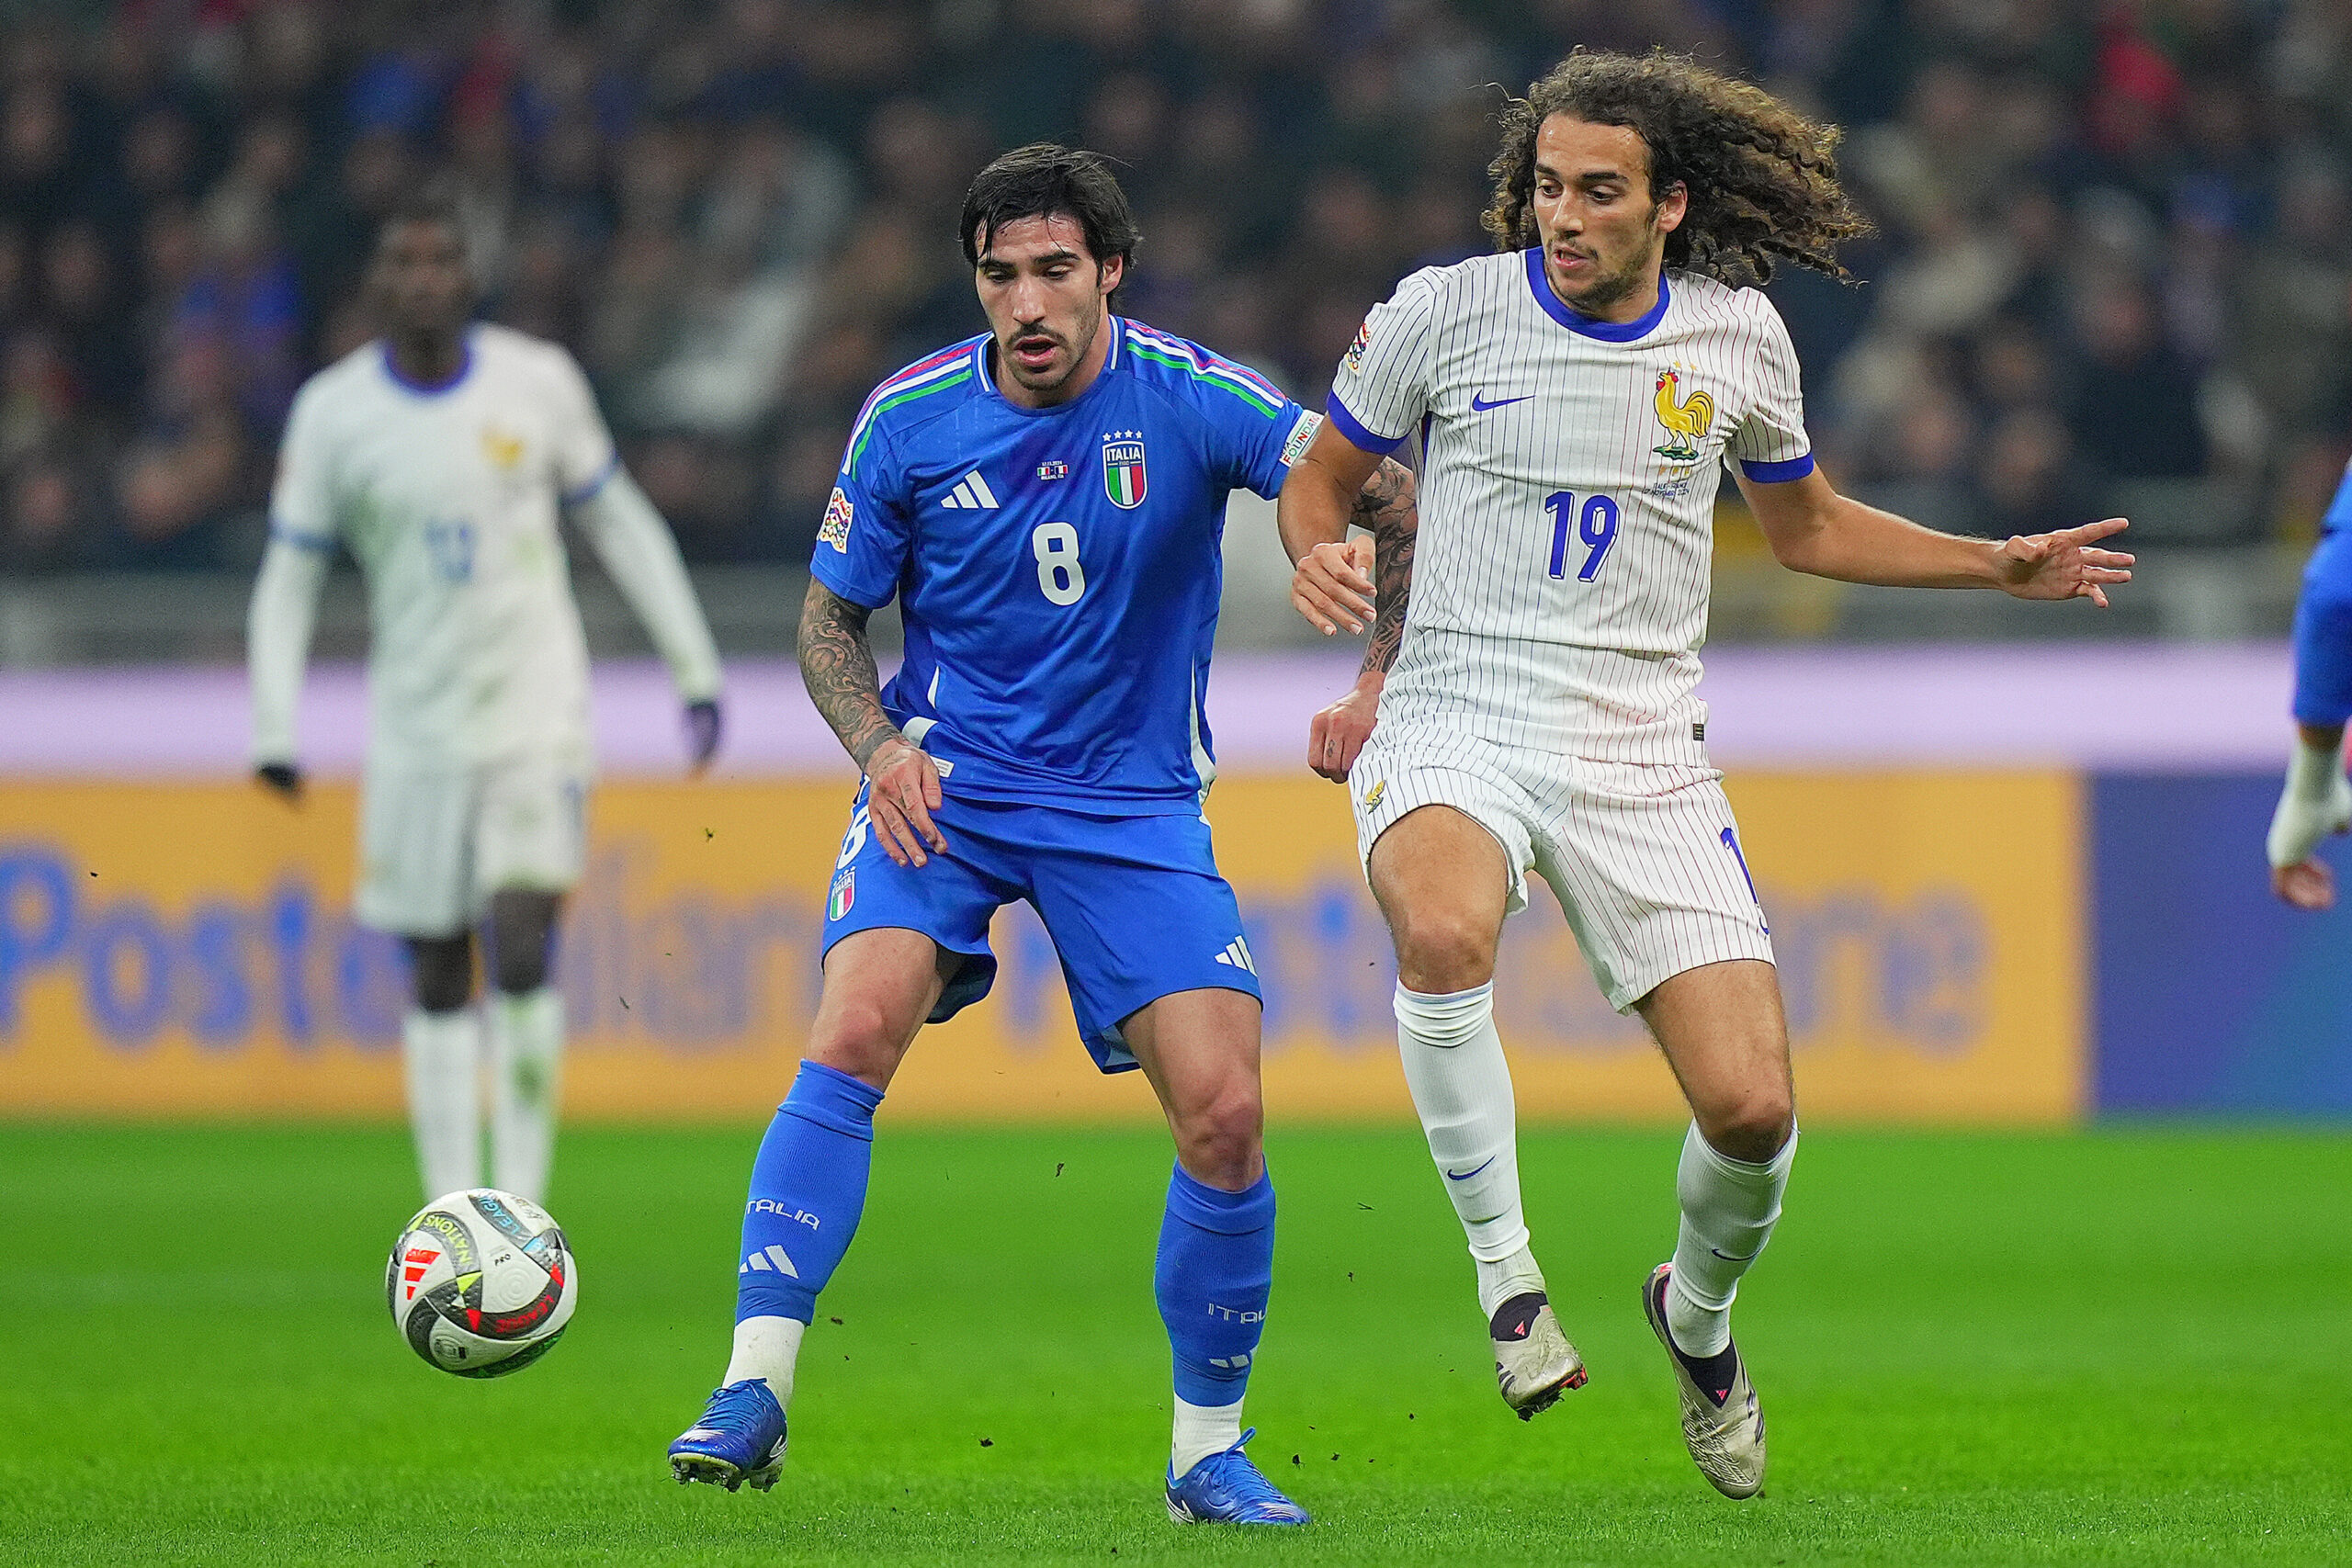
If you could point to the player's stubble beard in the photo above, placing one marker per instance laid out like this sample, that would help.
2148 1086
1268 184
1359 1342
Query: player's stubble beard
1080 347
1611 289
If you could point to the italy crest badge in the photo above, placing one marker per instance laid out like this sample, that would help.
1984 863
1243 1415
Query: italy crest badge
1123 471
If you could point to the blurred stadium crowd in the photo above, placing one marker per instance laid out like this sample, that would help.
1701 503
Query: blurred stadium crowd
2112 247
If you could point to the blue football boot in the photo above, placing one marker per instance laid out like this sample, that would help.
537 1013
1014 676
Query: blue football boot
1226 1488
739 1439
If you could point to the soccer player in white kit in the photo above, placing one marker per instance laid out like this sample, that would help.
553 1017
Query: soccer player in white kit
1577 395
442 455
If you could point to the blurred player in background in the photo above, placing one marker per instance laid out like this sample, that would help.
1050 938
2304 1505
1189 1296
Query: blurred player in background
1576 395
1045 503
2317 801
441 455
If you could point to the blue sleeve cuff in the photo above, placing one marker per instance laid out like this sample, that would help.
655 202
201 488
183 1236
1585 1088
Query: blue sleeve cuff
1353 429
1777 473
835 575
596 482
321 543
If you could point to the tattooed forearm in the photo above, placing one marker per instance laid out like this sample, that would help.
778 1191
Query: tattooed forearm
837 664
1389 507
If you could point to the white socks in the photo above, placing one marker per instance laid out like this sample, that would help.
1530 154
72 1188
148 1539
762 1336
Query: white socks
1202 1430
442 1053
1728 1210
1454 1063
767 1348
526 1045
2316 802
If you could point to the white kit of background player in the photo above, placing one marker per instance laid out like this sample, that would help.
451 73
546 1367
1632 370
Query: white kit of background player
478 753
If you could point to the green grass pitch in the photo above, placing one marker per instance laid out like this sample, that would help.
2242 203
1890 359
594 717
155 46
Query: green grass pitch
2117 1347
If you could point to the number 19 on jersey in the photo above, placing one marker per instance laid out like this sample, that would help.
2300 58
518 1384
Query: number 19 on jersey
1595 523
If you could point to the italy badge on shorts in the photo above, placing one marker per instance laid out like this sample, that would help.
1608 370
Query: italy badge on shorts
1123 476
843 895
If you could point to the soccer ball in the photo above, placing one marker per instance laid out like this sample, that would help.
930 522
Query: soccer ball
481 1284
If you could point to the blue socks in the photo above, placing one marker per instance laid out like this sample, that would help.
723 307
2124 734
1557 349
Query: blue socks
807 1190
1214 1272
1213 1277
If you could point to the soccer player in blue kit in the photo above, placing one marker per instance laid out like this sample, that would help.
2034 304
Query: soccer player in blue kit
1046 501
2317 800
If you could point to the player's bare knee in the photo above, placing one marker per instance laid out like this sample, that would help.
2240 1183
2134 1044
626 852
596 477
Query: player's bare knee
1221 1142
859 1038
1441 951
1753 1128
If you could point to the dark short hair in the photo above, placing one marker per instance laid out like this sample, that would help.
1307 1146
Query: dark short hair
430 203
1044 179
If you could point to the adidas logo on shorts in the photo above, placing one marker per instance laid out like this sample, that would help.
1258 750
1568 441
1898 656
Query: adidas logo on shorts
1237 954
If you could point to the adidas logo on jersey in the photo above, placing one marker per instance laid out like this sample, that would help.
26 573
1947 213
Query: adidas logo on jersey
770 1261
1237 954
971 494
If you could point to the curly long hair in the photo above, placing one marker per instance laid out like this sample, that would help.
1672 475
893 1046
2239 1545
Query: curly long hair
1762 179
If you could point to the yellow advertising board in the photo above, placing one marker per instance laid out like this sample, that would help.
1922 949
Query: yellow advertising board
185 949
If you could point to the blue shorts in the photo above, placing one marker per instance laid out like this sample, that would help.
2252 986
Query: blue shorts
2323 633
1133 905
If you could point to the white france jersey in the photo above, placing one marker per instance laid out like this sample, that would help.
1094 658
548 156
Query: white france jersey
1567 493
449 498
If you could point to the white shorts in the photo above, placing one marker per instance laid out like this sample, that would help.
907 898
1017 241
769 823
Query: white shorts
1645 857
434 844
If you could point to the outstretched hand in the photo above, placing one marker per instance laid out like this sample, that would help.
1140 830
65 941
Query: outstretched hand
2063 565
902 791
1333 586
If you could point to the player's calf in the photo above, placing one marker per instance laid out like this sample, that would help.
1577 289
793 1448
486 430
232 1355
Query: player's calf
1213 1277
807 1190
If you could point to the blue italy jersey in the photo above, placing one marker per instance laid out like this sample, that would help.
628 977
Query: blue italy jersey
1058 569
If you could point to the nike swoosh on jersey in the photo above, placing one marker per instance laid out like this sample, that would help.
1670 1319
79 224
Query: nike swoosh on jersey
1478 405
1468 1174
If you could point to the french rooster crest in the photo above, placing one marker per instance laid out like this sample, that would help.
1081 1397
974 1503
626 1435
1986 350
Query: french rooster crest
1687 419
